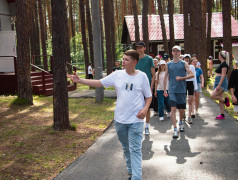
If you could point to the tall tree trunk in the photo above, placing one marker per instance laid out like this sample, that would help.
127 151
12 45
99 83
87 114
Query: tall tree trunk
59 41
186 27
203 49
108 36
180 6
192 11
165 41
90 31
209 25
227 41
70 14
112 32
102 35
145 25
49 15
43 36
37 34
23 56
72 26
32 30
163 7
84 40
97 48
137 33
171 24
45 23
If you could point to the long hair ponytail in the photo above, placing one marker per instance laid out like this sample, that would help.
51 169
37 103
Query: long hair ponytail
225 55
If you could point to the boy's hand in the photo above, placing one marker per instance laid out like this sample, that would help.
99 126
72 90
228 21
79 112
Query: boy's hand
165 94
75 78
142 113
155 94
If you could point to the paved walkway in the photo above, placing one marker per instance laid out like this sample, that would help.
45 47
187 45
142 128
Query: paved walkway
208 149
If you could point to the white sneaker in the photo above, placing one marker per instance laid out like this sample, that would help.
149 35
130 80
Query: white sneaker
169 115
161 118
181 127
175 134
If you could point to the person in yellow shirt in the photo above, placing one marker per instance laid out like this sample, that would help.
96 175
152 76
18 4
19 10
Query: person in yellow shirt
209 66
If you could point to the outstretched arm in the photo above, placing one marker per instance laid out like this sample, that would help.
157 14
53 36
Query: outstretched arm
89 82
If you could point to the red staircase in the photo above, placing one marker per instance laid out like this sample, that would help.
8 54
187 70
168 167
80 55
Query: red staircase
42 83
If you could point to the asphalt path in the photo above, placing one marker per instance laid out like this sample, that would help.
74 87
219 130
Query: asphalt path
208 149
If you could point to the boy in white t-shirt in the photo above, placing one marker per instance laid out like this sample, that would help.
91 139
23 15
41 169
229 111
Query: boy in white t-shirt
133 101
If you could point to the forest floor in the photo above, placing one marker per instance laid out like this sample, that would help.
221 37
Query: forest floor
30 149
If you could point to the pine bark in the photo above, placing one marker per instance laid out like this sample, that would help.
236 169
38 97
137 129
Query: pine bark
112 32
227 41
84 40
171 25
145 25
165 41
23 55
43 36
209 25
186 27
97 46
136 23
59 41
90 31
36 33
108 36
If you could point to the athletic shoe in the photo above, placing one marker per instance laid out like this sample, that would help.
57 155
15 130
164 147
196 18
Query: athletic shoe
193 115
181 128
161 118
190 121
169 115
228 102
156 114
147 132
220 117
176 134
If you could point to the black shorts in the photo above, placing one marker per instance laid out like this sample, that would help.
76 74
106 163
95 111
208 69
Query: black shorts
90 76
190 88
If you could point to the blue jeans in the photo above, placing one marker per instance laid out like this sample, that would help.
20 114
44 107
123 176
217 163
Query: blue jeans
130 136
162 102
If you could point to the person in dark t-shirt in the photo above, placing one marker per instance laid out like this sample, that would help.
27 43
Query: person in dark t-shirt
221 83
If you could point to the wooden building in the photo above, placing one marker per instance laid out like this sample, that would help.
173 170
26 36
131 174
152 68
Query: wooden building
155 33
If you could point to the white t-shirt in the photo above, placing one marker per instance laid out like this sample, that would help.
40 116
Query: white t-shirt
90 70
192 68
131 92
160 85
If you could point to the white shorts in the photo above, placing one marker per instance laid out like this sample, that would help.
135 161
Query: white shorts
236 108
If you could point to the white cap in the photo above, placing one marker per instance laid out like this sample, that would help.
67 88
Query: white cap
162 62
177 47
155 60
186 55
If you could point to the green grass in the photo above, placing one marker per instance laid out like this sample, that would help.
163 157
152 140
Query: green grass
31 149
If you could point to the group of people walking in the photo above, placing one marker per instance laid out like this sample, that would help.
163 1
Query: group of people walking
171 84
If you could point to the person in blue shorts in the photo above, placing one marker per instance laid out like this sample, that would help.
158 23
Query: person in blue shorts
178 71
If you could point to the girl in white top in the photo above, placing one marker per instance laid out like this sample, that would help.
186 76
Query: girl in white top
159 91
191 87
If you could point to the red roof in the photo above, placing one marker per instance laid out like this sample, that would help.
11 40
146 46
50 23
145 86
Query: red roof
155 33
